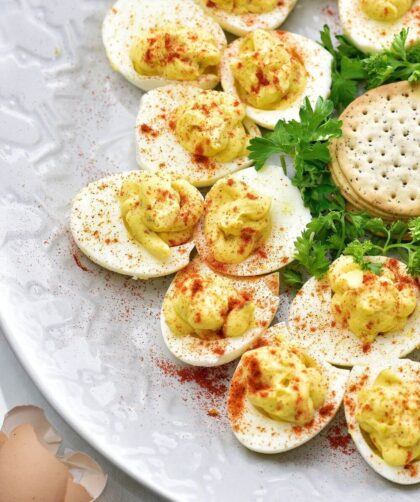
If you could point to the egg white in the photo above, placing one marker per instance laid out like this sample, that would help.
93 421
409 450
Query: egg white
192 350
241 24
263 434
312 324
128 19
364 376
317 63
161 150
373 36
289 218
99 231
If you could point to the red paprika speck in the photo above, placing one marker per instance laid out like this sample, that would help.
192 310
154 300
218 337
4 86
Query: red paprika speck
327 410
366 348
209 379
340 440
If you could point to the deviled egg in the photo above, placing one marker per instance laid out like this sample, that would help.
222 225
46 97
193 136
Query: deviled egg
243 16
281 396
251 222
159 42
354 316
199 135
372 24
272 72
382 406
137 223
209 319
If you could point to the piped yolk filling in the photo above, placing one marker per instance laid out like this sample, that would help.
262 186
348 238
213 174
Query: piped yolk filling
175 52
268 74
211 125
244 6
385 10
370 304
284 383
160 212
208 307
237 221
389 413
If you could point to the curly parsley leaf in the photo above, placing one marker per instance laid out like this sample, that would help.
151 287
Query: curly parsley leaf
306 141
394 64
352 69
358 250
347 69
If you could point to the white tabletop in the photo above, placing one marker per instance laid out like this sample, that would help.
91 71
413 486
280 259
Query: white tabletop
16 388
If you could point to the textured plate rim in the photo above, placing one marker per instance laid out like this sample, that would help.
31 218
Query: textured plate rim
23 359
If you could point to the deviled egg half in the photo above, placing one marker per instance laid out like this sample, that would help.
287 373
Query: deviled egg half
197 134
272 72
251 222
354 316
159 42
137 223
243 16
209 319
281 396
382 406
372 24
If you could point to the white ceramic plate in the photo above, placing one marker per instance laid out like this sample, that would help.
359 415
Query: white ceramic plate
90 339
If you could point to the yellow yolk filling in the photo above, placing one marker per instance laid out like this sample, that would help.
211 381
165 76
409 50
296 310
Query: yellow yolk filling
237 221
175 52
285 383
208 307
385 10
268 75
369 304
389 412
245 6
160 212
211 125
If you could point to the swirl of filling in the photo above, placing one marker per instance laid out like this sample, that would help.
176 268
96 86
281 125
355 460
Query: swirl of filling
237 220
285 383
367 303
244 6
389 412
175 52
385 10
208 306
211 125
267 73
160 212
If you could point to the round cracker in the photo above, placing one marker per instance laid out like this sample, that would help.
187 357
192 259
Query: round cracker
312 325
348 192
378 152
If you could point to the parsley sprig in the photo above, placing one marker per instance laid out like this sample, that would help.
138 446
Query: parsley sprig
358 235
333 230
400 237
306 142
352 69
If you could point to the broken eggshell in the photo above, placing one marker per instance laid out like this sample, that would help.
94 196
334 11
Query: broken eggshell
30 469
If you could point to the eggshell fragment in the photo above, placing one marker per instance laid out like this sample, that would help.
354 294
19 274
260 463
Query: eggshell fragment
29 469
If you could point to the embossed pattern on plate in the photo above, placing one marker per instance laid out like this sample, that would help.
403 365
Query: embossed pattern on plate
90 339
